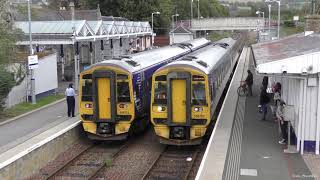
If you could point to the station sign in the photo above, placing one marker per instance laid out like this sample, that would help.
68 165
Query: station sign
296 18
33 62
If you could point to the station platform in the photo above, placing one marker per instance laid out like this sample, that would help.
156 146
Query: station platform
244 147
17 130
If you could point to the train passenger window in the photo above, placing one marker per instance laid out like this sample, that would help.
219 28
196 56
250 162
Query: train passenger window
86 90
160 93
123 92
198 94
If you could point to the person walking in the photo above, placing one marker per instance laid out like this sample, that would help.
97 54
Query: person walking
70 94
264 100
283 124
249 82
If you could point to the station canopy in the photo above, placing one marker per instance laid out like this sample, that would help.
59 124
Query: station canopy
297 54
67 32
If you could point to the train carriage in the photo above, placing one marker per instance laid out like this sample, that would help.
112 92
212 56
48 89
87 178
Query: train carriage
115 94
185 93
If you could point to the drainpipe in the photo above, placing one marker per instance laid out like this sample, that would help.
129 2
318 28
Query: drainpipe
318 118
300 115
304 115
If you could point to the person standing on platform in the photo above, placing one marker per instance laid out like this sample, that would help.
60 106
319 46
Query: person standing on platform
70 94
283 124
264 100
249 82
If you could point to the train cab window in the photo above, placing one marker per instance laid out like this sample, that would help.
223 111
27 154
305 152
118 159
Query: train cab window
198 94
123 92
86 89
160 93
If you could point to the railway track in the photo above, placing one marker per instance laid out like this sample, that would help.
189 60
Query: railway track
89 162
173 163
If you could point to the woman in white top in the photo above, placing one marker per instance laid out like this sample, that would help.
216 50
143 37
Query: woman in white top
70 94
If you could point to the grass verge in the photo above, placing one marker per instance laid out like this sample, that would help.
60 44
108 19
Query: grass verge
26 107
287 31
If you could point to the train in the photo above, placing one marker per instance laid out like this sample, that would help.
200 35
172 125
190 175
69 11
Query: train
114 95
185 93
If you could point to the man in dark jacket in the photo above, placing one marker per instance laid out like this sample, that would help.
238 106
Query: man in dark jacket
249 81
264 100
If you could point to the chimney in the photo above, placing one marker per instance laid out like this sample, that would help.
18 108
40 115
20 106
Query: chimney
99 13
312 23
71 5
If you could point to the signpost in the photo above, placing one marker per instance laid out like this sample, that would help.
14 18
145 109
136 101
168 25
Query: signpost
33 62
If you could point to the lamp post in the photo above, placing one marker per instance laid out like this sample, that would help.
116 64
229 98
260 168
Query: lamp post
258 13
175 15
269 7
191 12
279 6
198 9
158 13
33 93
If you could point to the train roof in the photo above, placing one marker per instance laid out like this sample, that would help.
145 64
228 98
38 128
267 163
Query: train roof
207 58
142 60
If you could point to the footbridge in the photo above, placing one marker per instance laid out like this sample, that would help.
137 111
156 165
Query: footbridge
227 23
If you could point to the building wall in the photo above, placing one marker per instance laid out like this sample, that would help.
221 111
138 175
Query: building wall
18 94
292 94
46 77
178 38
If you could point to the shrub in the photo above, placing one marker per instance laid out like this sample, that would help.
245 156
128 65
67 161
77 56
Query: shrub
6 83
289 23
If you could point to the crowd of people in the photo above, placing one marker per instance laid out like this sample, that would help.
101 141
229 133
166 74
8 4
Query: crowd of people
265 101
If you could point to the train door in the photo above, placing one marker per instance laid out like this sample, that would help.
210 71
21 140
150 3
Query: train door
103 88
104 101
179 104
178 87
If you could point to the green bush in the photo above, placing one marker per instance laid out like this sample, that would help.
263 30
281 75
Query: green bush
6 83
289 23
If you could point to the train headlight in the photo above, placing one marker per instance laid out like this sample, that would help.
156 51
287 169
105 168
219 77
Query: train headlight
88 105
123 106
198 109
161 108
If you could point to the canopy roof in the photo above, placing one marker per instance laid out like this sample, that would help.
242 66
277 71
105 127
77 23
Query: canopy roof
62 32
297 54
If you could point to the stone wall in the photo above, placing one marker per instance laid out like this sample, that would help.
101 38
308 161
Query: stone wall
312 23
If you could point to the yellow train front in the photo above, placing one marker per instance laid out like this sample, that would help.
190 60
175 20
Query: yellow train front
115 94
185 93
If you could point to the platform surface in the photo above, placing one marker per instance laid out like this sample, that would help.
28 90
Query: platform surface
244 147
22 129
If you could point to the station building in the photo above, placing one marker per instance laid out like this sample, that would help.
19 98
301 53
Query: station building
76 39
294 61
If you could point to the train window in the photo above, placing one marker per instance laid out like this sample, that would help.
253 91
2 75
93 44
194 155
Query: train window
198 94
87 76
122 76
123 92
160 93
161 78
86 90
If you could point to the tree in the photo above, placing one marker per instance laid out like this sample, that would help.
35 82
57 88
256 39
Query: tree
7 51
140 10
